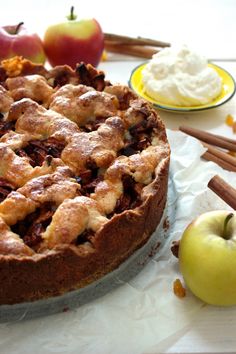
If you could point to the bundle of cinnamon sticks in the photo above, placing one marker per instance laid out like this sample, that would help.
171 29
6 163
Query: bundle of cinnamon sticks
213 142
138 47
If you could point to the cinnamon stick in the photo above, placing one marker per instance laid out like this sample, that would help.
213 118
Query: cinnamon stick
220 154
224 190
219 161
210 138
134 50
233 141
116 38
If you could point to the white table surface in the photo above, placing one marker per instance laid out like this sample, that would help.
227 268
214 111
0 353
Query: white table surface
209 26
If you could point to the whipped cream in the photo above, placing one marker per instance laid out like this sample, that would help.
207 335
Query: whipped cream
180 77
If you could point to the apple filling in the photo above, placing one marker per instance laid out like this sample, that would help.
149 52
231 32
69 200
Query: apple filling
5 126
31 228
84 74
87 182
89 76
61 75
89 178
139 137
84 237
93 124
130 198
37 150
5 188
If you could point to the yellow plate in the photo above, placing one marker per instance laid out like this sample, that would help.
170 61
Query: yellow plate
228 90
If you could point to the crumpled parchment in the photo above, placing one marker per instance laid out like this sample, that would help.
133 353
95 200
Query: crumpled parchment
142 316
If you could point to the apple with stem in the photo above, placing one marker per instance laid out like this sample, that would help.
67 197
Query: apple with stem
207 257
16 41
73 41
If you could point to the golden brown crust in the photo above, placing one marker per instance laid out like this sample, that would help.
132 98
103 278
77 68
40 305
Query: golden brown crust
83 182
98 146
5 100
82 103
10 243
71 218
39 122
34 87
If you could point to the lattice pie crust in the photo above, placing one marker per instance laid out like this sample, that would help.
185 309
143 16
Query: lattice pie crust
83 177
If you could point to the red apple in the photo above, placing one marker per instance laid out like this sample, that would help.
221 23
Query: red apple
74 41
16 41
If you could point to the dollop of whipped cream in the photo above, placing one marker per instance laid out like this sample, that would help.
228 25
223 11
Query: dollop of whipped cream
180 77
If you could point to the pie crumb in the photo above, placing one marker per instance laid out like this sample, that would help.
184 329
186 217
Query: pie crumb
13 66
178 289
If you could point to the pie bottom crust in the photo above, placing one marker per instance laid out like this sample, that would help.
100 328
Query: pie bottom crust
69 267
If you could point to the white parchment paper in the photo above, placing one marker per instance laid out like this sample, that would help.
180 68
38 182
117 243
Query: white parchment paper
142 316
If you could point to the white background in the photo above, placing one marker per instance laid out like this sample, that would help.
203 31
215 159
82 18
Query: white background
209 26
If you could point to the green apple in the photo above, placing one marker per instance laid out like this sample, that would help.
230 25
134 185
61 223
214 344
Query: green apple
207 257
74 41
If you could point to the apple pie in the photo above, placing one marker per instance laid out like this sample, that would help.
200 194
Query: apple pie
83 177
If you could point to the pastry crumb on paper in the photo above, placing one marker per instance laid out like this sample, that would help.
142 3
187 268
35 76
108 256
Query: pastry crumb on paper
179 289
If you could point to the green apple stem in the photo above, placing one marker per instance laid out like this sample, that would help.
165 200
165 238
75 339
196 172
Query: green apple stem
225 231
71 16
18 27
